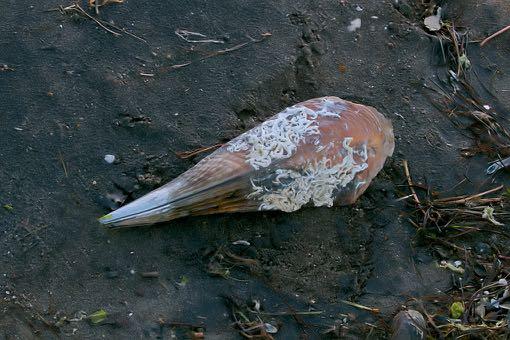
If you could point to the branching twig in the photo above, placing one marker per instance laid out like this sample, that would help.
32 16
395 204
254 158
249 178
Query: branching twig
263 36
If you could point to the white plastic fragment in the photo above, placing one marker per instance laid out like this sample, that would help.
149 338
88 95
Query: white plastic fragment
354 25
487 107
457 263
503 282
270 328
433 22
241 242
109 159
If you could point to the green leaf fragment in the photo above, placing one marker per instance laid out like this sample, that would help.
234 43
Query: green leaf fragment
98 316
464 62
8 207
457 309
183 281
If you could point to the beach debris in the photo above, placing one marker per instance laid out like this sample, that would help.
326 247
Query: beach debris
109 159
433 22
498 165
105 25
117 198
254 323
357 305
100 3
464 62
193 332
224 260
477 303
191 37
488 213
5 67
452 267
354 25
241 242
8 207
96 4
270 328
98 316
183 281
250 323
212 54
492 36
192 153
408 325
462 102
150 275
457 309
320 152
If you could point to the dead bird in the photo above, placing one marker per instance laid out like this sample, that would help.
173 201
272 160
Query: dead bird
321 152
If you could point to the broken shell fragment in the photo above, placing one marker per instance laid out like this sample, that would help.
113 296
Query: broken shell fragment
321 152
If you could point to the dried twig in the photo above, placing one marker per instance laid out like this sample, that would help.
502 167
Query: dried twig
492 36
410 182
263 36
188 154
109 27
77 8
185 35
63 163
357 305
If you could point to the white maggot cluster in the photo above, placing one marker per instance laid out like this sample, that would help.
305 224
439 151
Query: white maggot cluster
316 182
279 137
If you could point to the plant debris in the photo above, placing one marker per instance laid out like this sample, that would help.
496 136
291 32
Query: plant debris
357 305
460 101
98 316
478 303
254 323
189 154
100 3
189 37
107 26
221 261
494 35
250 41
194 332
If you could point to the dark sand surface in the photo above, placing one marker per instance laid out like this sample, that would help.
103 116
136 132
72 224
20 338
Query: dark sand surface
74 93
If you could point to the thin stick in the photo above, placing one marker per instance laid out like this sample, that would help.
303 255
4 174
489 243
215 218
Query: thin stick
63 163
80 10
492 36
357 305
188 154
318 312
458 200
101 23
410 182
220 52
